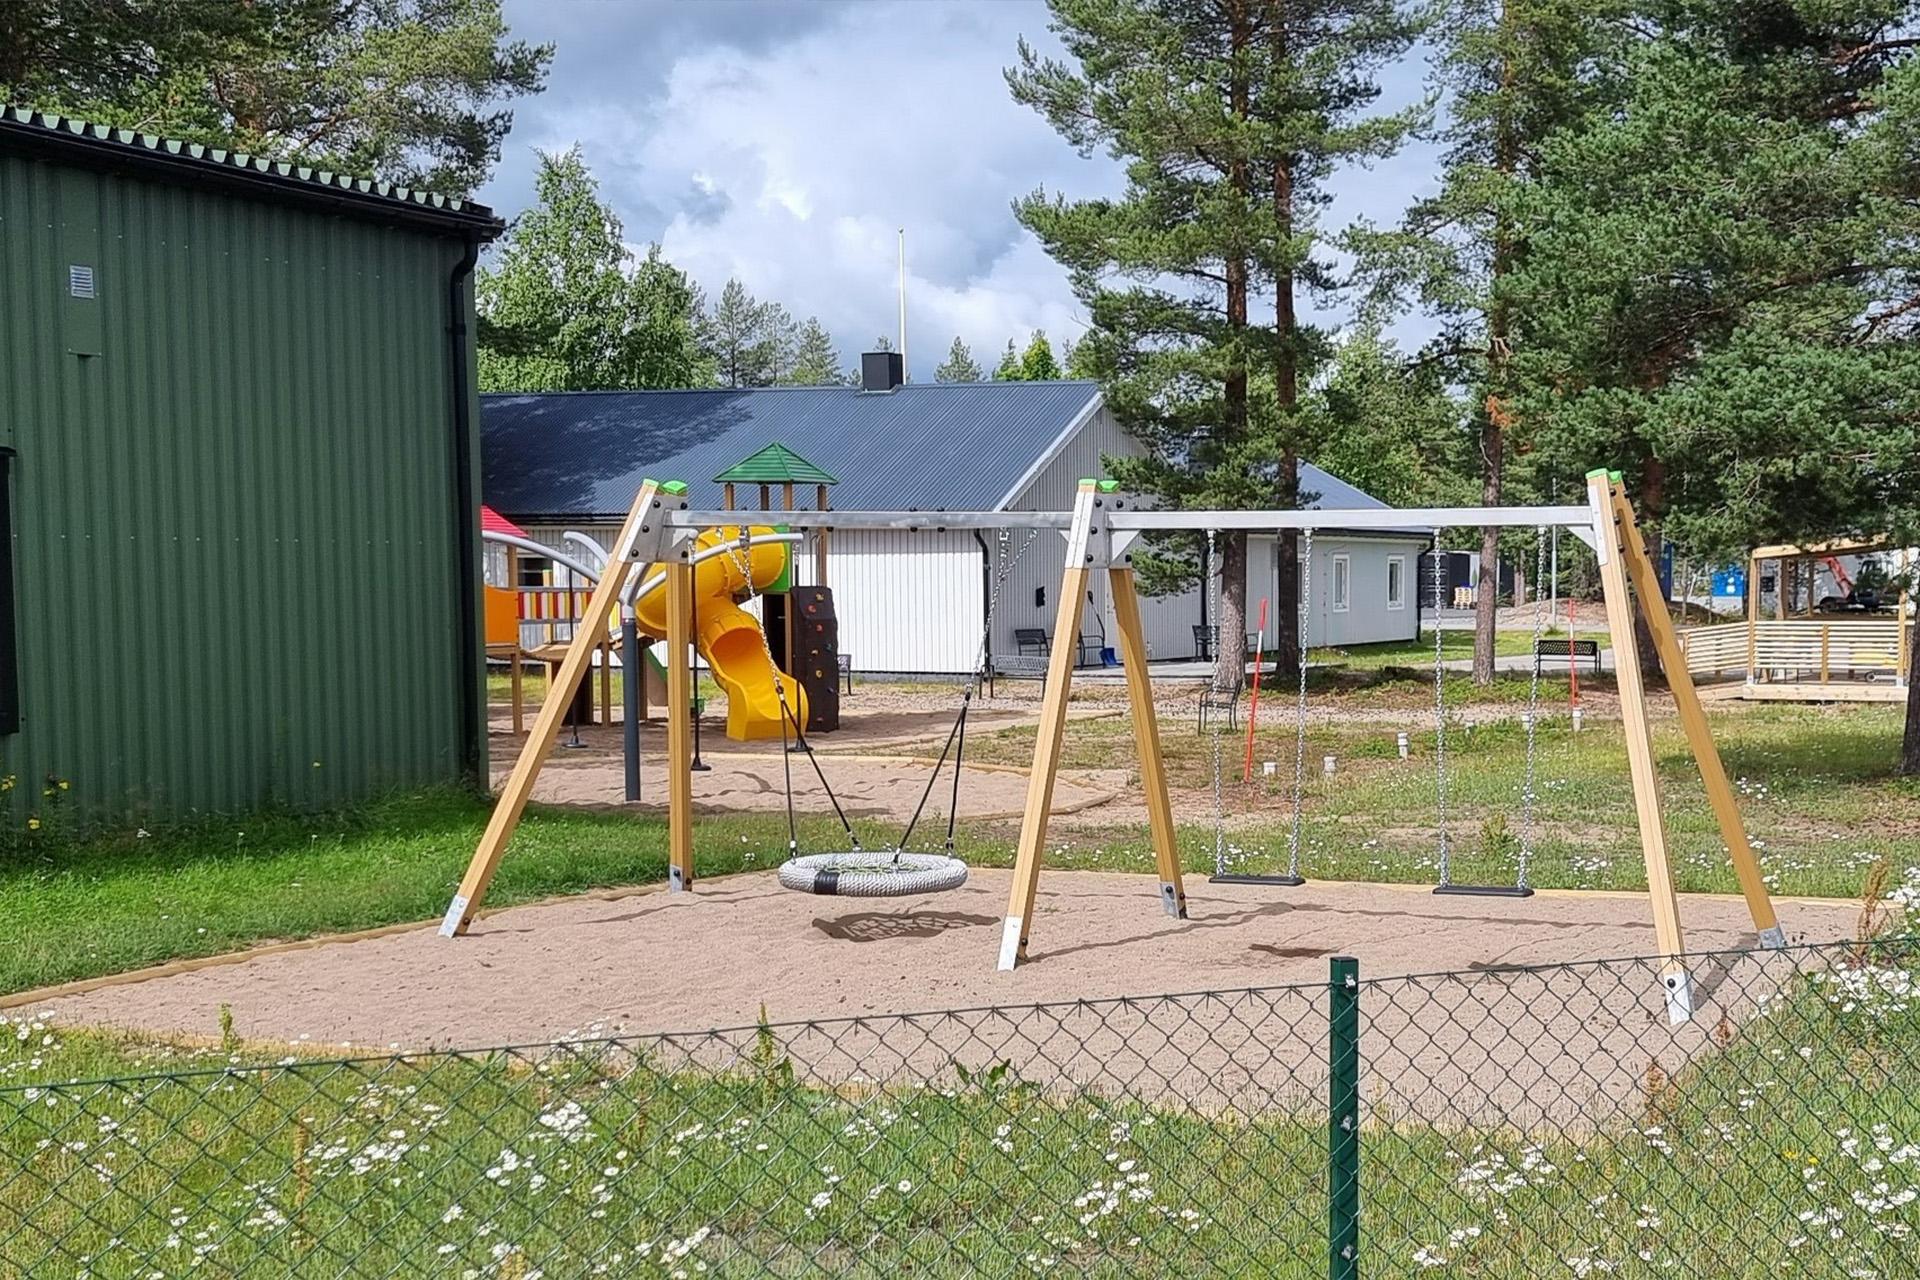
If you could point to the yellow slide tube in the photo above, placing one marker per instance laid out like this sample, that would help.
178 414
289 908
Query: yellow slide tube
729 637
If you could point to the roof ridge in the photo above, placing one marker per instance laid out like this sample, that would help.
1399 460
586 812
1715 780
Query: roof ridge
293 174
1010 384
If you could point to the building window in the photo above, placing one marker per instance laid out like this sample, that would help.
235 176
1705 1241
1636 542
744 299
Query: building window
534 570
1396 582
1342 581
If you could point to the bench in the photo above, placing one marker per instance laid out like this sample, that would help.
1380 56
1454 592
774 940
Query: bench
1203 637
1034 642
1218 701
1001 666
1570 650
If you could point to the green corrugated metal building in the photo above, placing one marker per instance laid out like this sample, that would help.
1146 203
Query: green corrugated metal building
237 409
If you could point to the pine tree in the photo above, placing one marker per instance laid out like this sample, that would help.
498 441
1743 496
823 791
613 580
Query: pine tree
407 91
1512 71
1230 115
1722 277
815 362
958 366
749 340
1009 368
1392 427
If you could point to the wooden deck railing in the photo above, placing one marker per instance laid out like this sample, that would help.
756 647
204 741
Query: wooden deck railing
1825 649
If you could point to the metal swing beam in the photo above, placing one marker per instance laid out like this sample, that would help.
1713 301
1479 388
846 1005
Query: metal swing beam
1101 529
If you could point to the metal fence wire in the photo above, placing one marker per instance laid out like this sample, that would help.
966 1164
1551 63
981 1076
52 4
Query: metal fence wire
1502 1122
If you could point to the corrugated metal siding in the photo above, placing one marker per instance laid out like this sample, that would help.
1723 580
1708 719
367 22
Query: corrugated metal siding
908 603
235 559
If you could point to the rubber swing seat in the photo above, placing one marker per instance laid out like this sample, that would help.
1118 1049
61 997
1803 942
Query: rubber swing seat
1483 891
875 873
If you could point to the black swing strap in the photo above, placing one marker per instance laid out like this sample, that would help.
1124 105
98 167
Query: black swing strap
801 738
958 731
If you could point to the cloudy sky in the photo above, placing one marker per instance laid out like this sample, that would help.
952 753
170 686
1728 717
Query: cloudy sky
785 142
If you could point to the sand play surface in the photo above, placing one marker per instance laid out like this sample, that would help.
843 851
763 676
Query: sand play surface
652 961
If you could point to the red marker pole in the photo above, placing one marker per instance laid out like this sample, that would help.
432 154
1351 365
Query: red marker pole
1573 669
1253 711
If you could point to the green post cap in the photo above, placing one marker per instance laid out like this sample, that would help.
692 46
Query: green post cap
1087 480
1616 477
1109 486
1597 472
675 487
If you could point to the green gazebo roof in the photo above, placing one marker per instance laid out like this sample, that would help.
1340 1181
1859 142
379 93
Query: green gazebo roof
775 464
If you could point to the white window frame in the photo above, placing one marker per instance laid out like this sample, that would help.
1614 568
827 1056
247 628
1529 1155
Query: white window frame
1340 584
1398 563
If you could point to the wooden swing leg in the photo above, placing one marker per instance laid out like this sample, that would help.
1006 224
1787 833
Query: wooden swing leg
1608 538
1146 738
1693 720
679 725
533 753
1048 738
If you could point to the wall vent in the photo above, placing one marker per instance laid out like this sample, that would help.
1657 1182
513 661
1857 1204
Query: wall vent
80 281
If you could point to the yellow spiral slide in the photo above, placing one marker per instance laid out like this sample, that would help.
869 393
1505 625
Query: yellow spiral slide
728 636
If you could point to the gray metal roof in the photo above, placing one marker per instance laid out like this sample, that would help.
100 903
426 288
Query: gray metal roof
46 133
943 446
952 446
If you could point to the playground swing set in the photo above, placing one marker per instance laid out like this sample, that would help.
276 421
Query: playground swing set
1100 531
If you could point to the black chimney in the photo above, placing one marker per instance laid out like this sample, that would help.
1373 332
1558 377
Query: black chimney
881 370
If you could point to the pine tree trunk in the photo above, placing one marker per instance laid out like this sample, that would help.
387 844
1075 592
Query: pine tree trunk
1487 588
1286 391
1229 658
1652 503
1910 743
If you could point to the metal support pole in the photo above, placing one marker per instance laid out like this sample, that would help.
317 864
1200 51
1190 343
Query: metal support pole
1343 1119
632 676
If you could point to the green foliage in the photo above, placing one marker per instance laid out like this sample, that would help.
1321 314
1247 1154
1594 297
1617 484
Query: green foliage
751 343
569 308
1391 427
1033 364
958 366
815 362
1036 362
404 90
1723 275
1008 370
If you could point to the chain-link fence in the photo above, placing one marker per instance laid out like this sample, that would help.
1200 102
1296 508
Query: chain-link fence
1503 1122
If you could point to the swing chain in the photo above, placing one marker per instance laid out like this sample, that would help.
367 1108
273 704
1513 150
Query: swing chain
1219 804
740 552
1440 724
1527 792
1300 715
1007 566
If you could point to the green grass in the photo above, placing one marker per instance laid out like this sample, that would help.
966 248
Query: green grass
1818 789
1787 1149
1819 795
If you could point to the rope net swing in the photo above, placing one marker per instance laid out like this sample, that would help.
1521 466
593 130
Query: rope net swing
894 871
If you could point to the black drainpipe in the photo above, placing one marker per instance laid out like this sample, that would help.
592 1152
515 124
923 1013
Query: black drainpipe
986 602
466 515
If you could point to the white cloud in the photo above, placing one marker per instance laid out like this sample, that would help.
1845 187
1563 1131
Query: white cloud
785 145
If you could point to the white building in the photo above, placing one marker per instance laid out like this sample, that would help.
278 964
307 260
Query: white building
914 602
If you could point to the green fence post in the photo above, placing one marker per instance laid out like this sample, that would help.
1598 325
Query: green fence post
1343 1119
